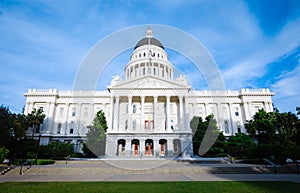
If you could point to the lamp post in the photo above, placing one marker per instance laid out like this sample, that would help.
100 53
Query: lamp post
38 147
11 142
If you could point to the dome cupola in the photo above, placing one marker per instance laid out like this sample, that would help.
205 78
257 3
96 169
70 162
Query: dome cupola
149 58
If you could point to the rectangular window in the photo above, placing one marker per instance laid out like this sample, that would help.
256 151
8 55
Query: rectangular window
61 111
73 112
71 131
85 114
59 126
134 109
236 112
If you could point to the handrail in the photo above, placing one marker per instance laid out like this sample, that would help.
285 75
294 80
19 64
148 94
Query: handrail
230 158
270 163
296 162
23 164
67 159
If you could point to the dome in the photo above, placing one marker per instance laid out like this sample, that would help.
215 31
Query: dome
147 41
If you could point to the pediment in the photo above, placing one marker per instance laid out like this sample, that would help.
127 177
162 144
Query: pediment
149 82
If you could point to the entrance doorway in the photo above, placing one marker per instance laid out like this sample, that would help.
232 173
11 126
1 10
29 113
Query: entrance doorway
135 145
121 146
149 147
163 147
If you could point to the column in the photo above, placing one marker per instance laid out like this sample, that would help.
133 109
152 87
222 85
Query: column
66 118
50 117
79 118
111 117
116 113
249 108
181 125
206 109
129 113
128 148
155 121
270 106
186 114
142 147
231 113
26 108
168 113
142 113
156 148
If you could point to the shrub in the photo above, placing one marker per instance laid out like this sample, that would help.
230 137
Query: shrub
45 161
3 154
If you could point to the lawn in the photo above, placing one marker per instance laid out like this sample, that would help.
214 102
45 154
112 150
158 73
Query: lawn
153 187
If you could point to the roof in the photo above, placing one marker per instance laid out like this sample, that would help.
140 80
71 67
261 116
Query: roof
147 41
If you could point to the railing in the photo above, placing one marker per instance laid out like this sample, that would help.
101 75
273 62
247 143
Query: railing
230 159
24 164
296 162
270 163
68 159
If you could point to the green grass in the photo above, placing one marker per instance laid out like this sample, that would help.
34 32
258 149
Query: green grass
153 187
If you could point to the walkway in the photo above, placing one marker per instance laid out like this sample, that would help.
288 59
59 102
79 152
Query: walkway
149 170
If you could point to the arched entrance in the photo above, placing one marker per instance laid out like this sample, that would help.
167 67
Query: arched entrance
163 147
135 147
121 147
149 147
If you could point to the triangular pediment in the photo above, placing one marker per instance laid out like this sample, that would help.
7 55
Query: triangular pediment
150 82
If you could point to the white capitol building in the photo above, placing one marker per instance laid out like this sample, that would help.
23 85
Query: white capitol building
148 112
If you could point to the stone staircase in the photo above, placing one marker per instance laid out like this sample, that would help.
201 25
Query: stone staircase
98 167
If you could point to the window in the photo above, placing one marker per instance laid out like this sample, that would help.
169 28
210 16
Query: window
144 54
226 129
172 124
85 114
73 112
59 125
139 55
144 71
134 109
238 127
154 71
236 112
71 131
158 55
126 124
134 124
61 111
200 111
126 108
42 109
72 127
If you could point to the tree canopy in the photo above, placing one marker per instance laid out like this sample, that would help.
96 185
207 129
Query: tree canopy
96 137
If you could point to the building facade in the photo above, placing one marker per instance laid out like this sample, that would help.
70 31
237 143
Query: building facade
148 111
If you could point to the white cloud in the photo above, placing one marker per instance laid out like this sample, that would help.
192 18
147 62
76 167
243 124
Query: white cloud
287 90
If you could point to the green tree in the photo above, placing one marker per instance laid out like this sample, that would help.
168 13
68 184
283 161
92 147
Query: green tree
20 125
96 137
239 145
35 119
3 154
209 129
5 126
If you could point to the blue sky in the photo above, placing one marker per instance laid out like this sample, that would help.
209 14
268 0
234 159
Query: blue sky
256 43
